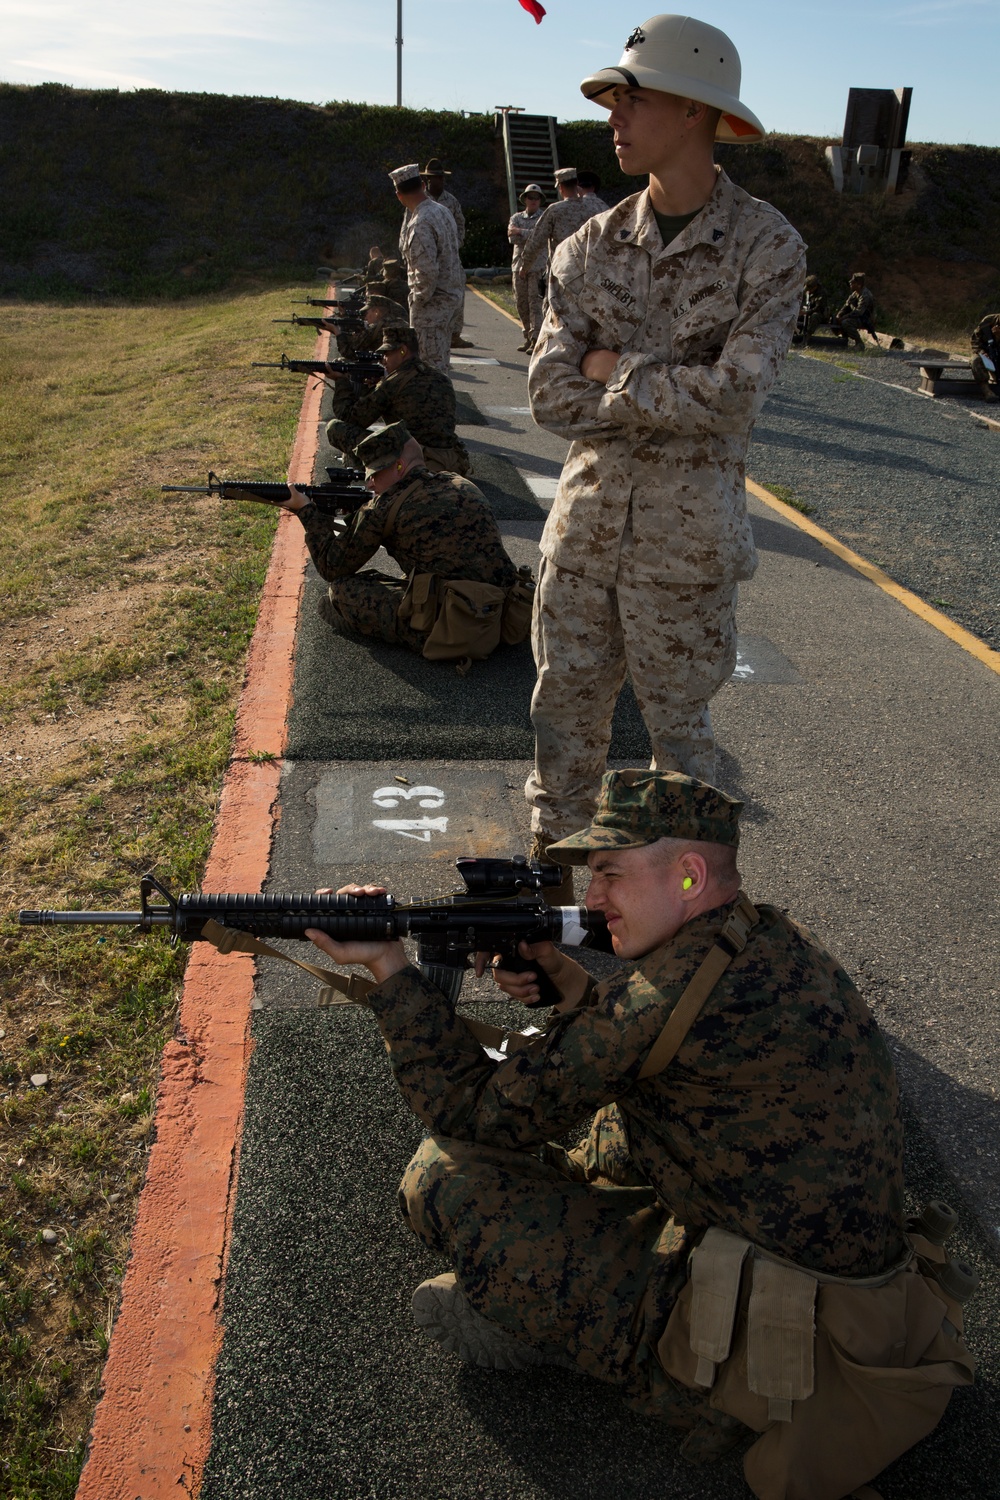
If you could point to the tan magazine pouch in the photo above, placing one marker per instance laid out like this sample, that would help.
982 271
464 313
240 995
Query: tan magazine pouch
468 622
516 623
461 618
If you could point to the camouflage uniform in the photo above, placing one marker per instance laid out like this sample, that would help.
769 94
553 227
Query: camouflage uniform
444 526
778 1120
649 521
367 339
429 246
527 293
857 312
557 223
422 398
985 341
453 206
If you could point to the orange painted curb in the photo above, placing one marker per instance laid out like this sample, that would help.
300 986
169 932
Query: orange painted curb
152 1428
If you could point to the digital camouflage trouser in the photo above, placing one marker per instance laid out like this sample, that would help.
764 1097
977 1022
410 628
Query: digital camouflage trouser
366 604
676 641
568 1250
433 327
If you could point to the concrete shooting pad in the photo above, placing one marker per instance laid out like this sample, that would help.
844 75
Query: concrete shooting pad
859 738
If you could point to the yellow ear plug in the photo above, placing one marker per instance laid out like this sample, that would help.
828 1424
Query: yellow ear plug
688 882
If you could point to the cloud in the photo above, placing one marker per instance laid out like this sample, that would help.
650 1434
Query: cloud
934 12
82 74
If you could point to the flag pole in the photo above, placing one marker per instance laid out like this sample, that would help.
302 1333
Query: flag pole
399 54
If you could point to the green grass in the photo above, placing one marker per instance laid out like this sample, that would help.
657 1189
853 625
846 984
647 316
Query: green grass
789 497
124 621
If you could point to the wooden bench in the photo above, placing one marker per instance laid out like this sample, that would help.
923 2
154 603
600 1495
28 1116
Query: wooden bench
936 378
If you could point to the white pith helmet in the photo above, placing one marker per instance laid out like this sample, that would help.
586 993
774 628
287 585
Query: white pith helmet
679 55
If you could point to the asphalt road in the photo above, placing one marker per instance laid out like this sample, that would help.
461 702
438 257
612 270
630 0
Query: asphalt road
858 737
910 483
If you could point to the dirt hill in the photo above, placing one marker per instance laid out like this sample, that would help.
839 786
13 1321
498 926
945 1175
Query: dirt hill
153 194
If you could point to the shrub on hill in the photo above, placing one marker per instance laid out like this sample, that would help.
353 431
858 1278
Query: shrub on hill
154 194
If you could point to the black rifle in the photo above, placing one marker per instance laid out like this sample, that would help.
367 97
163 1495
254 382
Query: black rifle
346 322
354 303
363 370
344 494
500 907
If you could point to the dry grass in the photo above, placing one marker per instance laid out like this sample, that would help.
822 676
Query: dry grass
124 619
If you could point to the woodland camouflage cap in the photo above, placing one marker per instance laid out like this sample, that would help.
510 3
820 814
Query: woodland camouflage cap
383 448
639 807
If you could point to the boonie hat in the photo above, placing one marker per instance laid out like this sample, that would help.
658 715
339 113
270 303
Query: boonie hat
679 55
638 807
382 448
400 177
531 188
434 168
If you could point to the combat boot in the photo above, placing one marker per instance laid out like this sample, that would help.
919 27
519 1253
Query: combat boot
555 895
459 343
441 1310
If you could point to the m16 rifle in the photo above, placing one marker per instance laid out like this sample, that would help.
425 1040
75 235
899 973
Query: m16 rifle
354 303
346 322
362 370
501 906
342 496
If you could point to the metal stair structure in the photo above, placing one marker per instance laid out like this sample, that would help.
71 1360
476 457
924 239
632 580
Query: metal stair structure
529 148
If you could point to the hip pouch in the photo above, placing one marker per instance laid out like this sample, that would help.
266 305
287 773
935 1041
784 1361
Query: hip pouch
461 618
516 624
840 1377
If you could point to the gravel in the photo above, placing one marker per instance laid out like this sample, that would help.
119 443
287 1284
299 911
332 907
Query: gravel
910 483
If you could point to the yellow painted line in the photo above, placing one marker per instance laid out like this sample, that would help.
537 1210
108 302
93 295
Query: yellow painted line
963 638
495 305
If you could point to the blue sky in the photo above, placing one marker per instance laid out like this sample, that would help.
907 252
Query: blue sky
798 58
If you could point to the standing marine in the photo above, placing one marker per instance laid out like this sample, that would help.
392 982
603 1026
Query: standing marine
528 291
436 280
669 318
433 176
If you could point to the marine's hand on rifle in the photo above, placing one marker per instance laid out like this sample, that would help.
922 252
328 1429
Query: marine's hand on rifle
381 959
568 977
296 500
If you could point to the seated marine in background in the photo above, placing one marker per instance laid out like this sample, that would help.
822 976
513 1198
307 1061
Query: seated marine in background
727 1242
812 312
411 392
857 313
379 312
986 346
433 525
386 277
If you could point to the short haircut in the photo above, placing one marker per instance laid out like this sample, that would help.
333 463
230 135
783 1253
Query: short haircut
720 858
568 182
588 180
411 185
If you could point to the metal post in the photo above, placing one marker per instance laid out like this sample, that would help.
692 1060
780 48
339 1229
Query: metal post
399 54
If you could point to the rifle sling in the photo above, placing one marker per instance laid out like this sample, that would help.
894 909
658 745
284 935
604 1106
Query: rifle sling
732 940
338 989
394 508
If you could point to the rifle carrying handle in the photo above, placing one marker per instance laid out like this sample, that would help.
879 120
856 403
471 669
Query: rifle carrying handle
512 961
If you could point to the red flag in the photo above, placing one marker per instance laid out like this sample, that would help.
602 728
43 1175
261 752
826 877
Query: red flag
533 8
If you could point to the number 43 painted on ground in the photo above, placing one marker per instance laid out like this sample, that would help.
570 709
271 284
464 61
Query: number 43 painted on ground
410 828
